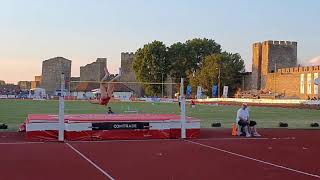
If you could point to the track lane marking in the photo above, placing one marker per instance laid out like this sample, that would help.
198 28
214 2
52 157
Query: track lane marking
18 143
251 138
149 140
91 162
126 140
203 139
254 159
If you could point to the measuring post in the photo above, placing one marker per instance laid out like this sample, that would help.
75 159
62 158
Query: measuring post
61 110
183 110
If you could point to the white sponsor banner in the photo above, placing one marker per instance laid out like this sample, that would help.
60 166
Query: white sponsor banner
11 96
225 91
316 88
264 101
301 83
199 92
166 100
3 97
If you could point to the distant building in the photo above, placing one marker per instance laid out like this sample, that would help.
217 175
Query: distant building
51 74
268 57
74 81
87 90
24 85
93 71
83 90
36 82
276 74
2 82
295 82
122 92
128 74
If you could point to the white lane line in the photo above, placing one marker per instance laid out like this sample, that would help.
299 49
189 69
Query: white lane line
91 162
147 140
128 140
244 138
254 159
156 140
18 143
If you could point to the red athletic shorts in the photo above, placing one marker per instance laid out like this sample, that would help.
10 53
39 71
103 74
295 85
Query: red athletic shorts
104 100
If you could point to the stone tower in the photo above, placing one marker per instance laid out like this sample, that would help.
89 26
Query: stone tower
270 56
51 73
128 74
93 71
256 65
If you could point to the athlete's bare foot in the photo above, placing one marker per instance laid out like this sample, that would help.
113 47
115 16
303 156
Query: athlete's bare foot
106 74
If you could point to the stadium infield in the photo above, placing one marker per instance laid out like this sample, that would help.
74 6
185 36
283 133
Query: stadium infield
278 154
14 112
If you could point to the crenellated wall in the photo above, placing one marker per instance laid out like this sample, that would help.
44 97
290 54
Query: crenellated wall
299 69
288 81
274 68
276 55
93 71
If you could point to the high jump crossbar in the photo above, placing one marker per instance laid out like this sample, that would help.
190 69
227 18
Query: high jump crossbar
121 82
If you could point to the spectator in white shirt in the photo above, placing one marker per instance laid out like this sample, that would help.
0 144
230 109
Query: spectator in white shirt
248 128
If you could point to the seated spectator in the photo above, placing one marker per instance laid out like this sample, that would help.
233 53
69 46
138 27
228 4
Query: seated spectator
248 128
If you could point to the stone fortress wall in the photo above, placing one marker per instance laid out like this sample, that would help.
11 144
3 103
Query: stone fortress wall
269 56
93 71
128 74
51 73
52 69
295 82
275 69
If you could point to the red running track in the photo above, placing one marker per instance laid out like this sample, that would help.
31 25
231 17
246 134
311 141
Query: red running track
279 154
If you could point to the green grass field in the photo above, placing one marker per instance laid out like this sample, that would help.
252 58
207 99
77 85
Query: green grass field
14 112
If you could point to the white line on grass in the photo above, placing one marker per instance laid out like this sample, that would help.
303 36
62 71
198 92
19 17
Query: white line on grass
254 159
18 143
91 162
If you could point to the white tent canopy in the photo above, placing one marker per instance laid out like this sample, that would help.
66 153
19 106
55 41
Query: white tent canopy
37 93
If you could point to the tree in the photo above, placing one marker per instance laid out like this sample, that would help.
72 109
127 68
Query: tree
199 49
151 64
231 66
187 57
180 57
2 82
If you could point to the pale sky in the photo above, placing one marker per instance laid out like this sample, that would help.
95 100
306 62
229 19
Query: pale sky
82 30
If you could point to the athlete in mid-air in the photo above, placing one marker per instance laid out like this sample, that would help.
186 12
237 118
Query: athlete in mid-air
106 92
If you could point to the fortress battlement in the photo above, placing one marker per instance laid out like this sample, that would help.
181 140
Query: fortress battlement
257 44
299 69
127 55
97 62
282 43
